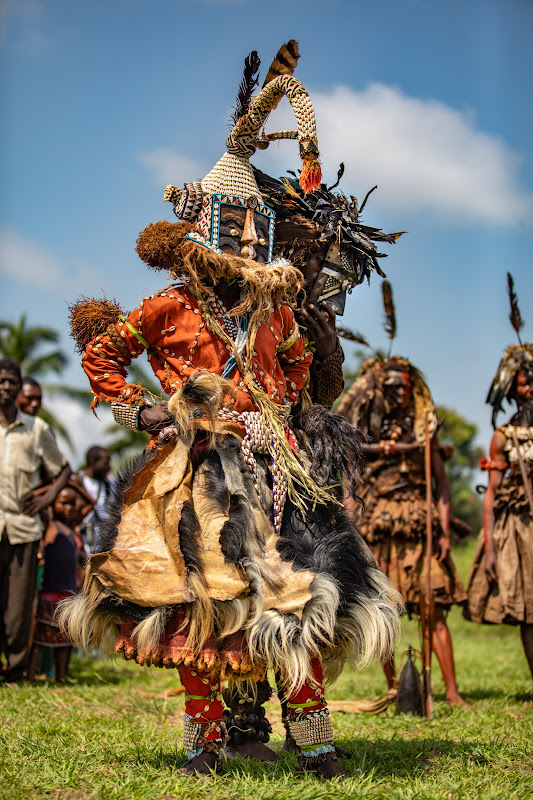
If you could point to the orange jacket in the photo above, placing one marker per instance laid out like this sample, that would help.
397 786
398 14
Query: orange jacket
171 328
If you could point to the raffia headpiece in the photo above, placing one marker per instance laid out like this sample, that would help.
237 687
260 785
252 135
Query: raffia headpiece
232 181
517 357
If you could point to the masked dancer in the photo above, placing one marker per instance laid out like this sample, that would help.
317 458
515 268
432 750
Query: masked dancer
388 402
500 588
221 555
321 233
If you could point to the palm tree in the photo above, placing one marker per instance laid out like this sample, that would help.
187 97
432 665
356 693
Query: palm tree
24 344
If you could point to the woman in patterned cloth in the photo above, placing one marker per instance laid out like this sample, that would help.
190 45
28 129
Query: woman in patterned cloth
500 588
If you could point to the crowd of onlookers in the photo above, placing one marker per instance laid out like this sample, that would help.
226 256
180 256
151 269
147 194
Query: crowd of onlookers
49 525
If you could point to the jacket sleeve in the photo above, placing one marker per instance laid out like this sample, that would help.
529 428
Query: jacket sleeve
294 357
109 354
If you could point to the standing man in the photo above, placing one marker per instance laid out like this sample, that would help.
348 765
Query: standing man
26 446
97 482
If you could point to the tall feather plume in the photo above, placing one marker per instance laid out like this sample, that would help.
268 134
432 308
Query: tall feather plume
249 81
390 312
515 317
284 62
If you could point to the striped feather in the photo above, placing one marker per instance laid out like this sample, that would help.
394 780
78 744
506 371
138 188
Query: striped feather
284 62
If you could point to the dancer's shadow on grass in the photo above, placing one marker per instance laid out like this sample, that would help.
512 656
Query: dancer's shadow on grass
382 757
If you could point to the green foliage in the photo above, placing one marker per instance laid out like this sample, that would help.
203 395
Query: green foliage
114 734
462 466
24 345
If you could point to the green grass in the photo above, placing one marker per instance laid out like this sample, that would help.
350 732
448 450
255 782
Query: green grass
112 734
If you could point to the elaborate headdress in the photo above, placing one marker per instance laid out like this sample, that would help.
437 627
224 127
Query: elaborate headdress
365 402
517 357
232 181
324 220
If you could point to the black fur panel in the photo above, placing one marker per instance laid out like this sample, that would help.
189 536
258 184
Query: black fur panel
235 530
187 530
108 530
324 540
215 485
335 445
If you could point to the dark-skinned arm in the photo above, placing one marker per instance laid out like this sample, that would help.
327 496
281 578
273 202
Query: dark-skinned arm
38 500
497 453
443 497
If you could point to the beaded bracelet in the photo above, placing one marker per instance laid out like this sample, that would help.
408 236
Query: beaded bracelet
126 415
387 447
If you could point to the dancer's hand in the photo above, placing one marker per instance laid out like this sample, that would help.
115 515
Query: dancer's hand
320 323
443 548
153 419
490 565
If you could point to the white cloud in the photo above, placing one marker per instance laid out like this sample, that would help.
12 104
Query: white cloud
167 166
424 155
29 262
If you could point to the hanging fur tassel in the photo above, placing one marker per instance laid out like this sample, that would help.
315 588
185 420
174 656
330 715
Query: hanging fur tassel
514 316
390 312
285 61
90 316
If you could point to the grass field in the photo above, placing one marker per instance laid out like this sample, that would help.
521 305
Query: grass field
113 734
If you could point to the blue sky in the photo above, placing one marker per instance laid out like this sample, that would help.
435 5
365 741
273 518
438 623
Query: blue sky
104 103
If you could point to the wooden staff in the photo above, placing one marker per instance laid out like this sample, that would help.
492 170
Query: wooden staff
427 626
522 466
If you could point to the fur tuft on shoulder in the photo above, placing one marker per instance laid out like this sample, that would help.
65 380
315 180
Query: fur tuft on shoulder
90 316
202 395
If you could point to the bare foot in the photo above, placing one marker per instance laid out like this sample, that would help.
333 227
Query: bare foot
205 763
455 699
328 768
257 751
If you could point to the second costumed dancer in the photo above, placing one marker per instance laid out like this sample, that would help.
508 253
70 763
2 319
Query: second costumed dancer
227 551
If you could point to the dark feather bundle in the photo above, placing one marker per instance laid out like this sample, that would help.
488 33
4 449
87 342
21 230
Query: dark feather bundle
514 315
248 83
351 336
390 311
285 61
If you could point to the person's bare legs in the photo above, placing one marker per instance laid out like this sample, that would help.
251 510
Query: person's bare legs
61 662
526 633
390 672
34 662
443 649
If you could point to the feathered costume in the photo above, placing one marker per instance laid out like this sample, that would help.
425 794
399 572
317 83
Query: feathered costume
509 599
227 551
392 518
